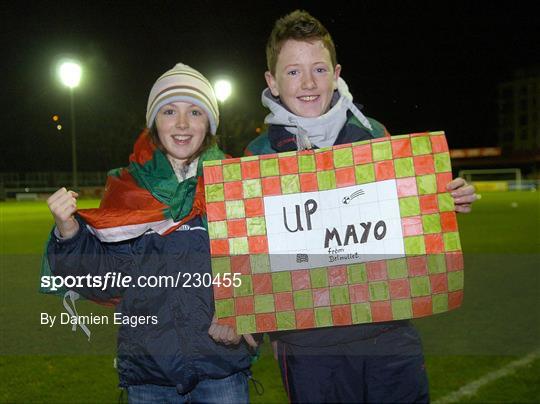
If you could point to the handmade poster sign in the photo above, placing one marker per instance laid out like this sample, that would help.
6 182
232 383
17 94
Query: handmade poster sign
356 233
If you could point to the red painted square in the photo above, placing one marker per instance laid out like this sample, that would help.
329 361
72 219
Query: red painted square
439 283
455 299
417 266
321 297
236 227
399 288
412 226
434 243
337 275
250 169
362 154
429 204
262 284
233 190
244 305
241 264
219 247
384 170
305 319
234 160
283 301
271 186
221 292
300 279
401 148
258 244
359 293
421 306
442 180
438 144
308 182
341 315
216 211
288 165
423 164
376 271
454 261
229 321
213 175
265 322
324 160
406 186
449 222
381 311
345 177
254 207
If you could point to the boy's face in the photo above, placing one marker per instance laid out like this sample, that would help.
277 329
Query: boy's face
304 79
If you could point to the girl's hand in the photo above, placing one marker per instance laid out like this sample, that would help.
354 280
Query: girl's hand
462 193
227 335
63 205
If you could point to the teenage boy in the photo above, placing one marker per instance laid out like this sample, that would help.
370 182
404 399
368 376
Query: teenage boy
311 107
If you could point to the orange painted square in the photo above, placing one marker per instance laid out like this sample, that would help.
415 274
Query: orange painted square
254 207
337 275
359 293
324 160
308 182
421 306
412 226
442 180
448 222
321 297
434 243
213 175
345 177
222 292
362 154
376 271
429 204
219 247
234 160
236 227
265 322
250 170
406 186
215 211
399 288
258 244
341 315
455 299
438 144
384 170
283 301
229 321
300 279
454 261
305 319
271 186
244 305
288 165
262 284
439 283
401 148
381 311
241 264
417 266
233 190
423 164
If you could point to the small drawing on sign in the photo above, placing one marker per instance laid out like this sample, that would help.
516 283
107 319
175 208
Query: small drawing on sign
301 258
355 194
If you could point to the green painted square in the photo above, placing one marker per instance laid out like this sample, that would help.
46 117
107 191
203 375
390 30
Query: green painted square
323 317
381 151
269 167
402 309
246 324
357 273
281 282
306 164
427 184
225 308
343 157
420 286
431 223
378 291
436 263
455 281
446 202
260 263
319 278
339 295
451 241
211 163
326 180
404 167
442 162
256 226
439 303
285 320
409 206
302 299
245 288
215 193
364 173
217 229
221 265
232 172
235 209
290 184
414 245
238 246
397 268
361 313
252 188
420 145
264 304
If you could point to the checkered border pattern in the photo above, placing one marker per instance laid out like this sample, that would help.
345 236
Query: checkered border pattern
427 281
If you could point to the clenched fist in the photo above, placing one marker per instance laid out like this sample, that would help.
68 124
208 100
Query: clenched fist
63 204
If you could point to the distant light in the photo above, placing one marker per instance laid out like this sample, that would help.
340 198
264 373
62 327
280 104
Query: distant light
223 90
59 127
258 130
70 74
55 118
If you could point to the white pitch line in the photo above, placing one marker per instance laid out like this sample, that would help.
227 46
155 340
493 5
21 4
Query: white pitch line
473 387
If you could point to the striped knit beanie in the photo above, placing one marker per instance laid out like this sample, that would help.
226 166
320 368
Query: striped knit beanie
183 84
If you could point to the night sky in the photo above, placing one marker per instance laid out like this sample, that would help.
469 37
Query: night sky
415 66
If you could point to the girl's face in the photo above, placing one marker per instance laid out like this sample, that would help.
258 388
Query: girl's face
181 128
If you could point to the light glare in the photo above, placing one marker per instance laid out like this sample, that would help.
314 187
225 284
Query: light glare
223 90
70 74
